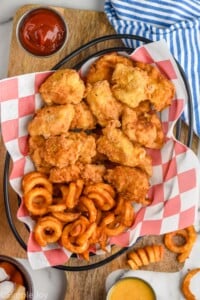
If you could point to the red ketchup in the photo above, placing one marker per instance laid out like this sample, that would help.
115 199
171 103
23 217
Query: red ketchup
42 32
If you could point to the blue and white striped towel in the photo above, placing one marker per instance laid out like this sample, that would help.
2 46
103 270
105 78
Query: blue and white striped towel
178 22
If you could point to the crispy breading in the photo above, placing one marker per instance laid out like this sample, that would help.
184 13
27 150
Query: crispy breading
131 183
161 90
62 87
103 67
143 107
36 151
102 103
65 174
143 128
92 173
118 148
129 85
83 117
64 150
51 120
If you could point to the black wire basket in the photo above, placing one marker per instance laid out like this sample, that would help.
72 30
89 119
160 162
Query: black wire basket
84 51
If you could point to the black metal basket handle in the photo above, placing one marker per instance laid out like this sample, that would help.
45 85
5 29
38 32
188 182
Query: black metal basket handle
78 66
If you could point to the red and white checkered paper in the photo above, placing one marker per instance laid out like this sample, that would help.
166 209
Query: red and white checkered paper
174 184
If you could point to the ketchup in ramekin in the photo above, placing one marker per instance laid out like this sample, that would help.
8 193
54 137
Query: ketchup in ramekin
42 31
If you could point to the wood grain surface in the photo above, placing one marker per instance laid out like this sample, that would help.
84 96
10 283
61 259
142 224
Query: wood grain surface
83 26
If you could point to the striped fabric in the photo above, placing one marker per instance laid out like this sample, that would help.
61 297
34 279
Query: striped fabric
178 22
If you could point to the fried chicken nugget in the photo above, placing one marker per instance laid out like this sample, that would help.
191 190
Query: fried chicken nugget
62 87
119 149
131 183
36 151
161 91
83 117
90 173
61 151
143 128
53 120
103 67
65 174
102 103
129 85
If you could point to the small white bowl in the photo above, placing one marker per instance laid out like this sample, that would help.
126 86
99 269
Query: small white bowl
28 284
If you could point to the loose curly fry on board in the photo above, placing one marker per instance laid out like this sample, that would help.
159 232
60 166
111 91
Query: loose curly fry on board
144 256
185 286
189 234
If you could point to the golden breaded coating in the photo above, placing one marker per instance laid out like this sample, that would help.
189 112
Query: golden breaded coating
36 151
63 87
161 90
51 120
64 150
65 174
102 103
92 173
131 183
103 67
119 149
143 128
143 107
83 117
129 85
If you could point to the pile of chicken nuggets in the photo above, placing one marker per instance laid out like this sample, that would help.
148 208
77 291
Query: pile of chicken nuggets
97 128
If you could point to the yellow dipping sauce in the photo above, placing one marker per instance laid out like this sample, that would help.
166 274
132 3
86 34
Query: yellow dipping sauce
131 288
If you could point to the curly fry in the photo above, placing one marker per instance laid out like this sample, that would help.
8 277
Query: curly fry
185 286
47 230
101 194
168 240
106 187
189 234
79 187
109 218
87 234
37 201
116 229
71 246
151 253
88 203
66 217
35 179
79 226
57 207
144 256
133 256
98 199
127 214
71 197
65 191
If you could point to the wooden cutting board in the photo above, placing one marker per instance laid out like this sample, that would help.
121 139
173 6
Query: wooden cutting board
83 26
